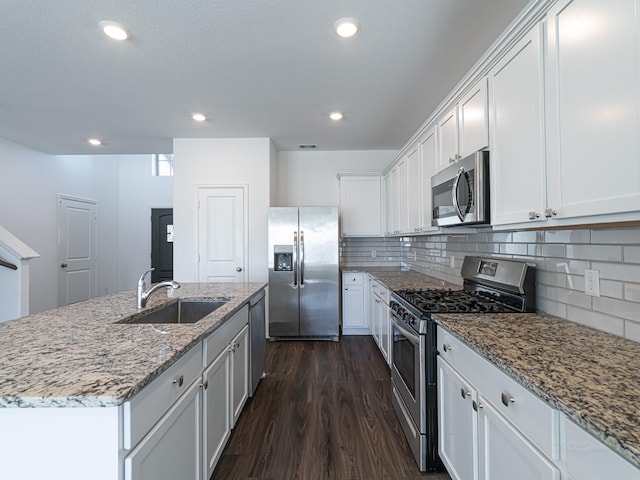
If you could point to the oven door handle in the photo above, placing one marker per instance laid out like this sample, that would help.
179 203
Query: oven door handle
412 337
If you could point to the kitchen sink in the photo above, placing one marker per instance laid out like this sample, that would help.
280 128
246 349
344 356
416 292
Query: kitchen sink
185 310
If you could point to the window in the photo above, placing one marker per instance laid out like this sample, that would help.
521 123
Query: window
162 165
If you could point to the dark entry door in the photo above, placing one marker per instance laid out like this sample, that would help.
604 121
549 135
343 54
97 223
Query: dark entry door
162 244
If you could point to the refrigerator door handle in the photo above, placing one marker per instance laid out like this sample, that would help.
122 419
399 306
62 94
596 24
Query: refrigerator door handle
301 258
295 260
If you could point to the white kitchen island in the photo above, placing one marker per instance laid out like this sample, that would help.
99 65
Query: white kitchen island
84 397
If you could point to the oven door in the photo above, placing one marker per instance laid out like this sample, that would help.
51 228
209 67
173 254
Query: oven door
408 371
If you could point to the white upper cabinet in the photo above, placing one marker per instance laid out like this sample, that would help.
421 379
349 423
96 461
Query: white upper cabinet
517 138
428 154
447 131
592 121
463 129
414 190
391 203
361 205
401 194
474 120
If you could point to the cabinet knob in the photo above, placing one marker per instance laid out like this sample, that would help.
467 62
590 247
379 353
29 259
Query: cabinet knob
178 380
533 215
477 405
507 399
446 347
464 393
550 212
204 385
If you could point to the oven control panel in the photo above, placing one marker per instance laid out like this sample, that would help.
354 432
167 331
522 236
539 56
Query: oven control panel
403 314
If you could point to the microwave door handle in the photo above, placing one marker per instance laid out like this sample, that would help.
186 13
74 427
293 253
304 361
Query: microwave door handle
454 193
295 260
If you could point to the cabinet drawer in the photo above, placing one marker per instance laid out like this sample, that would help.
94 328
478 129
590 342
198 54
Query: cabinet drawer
528 413
380 291
352 278
142 412
215 343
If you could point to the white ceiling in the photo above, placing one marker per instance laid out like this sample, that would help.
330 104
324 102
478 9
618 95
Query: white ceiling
256 68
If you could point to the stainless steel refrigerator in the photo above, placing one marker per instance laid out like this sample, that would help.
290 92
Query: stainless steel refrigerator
303 273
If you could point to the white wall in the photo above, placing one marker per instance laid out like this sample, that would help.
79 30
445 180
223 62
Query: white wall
308 179
235 161
139 193
30 180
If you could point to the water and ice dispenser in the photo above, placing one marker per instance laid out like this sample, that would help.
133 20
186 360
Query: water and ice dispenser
283 258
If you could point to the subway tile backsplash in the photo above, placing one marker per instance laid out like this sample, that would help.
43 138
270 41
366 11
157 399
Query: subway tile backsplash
561 256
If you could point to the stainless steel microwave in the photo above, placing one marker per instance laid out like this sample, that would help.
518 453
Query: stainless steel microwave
460 192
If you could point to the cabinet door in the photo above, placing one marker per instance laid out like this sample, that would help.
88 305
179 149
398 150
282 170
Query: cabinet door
172 448
593 107
428 155
457 424
391 203
517 142
447 129
414 190
504 454
401 195
216 417
352 308
361 205
239 372
474 120
384 326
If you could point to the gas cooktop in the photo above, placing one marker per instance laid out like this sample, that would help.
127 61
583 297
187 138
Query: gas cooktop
452 301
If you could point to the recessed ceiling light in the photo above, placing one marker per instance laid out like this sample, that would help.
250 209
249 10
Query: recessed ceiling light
95 142
336 116
198 117
114 30
346 27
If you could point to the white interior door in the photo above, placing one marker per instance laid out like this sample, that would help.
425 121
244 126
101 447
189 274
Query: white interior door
76 249
222 234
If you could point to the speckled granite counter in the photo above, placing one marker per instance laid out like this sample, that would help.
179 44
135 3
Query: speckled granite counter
75 356
397 279
589 375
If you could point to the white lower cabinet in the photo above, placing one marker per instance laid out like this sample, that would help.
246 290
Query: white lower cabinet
490 427
172 448
239 372
178 426
457 424
504 453
354 305
381 324
216 407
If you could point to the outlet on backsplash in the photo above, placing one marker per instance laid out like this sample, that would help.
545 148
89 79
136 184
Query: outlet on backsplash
592 282
373 254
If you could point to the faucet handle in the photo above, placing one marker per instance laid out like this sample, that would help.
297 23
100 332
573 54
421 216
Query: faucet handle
141 281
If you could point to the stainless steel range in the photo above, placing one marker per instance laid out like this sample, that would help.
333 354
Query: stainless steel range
490 286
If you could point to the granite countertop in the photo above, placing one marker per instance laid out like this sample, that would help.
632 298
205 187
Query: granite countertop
398 279
75 356
589 375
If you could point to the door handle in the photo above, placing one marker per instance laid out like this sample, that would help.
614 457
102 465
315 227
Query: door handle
64 265
301 258
238 269
295 259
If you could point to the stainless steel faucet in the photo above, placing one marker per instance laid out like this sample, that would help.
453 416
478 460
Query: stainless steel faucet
143 296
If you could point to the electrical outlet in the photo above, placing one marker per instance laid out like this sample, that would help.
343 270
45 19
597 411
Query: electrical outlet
452 262
373 254
592 282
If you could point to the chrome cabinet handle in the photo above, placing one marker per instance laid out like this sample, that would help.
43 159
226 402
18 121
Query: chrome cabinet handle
178 381
447 348
477 405
204 385
464 393
550 212
533 215
507 399
64 265
238 269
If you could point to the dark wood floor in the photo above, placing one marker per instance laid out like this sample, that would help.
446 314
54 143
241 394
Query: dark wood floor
322 412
